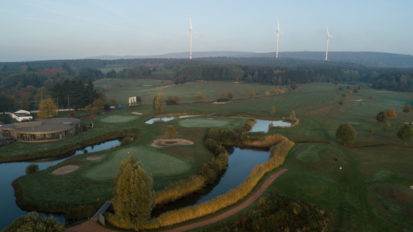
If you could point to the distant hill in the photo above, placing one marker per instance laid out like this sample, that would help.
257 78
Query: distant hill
371 59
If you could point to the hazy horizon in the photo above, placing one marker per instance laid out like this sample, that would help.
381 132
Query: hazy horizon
49 30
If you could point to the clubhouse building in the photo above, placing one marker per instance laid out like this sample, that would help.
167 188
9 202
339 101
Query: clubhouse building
49 130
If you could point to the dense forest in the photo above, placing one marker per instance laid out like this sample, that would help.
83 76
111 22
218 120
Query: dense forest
24 84
26 87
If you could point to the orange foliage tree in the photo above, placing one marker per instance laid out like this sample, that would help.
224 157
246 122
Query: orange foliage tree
391 113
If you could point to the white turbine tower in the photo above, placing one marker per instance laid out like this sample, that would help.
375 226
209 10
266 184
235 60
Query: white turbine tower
328 38
278 32
190 39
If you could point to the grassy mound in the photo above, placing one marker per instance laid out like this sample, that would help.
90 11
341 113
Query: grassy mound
154 162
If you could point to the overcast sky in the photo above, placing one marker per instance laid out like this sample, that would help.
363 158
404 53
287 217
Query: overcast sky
57 29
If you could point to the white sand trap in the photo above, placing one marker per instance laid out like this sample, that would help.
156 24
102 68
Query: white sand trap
137 113
171 142
65 169
221 103
95 157
411 187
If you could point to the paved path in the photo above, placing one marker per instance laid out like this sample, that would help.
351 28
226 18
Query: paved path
234 210
89 226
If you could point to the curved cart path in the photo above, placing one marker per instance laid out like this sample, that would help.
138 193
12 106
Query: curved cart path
88 226
234 210
93 226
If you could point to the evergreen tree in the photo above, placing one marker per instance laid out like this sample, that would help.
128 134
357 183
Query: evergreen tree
346 134
381 117
134 197
159 104
405 133
292 116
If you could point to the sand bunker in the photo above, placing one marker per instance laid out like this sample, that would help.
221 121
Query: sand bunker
65 169
95 157
171 142
411 187
221 103
137 113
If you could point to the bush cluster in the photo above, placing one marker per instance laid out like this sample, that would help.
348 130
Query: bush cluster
179 189
32 168
224 136
277 213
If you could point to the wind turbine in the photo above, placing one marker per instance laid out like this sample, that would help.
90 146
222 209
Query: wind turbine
328 38
190 38
278 32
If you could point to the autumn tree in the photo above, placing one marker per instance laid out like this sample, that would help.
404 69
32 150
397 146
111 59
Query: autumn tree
173 100
391 113
229 94
170 131
405 133
47 109
292 116
198 95
267 93
346 134
272 111
159 104
134 197
33 222
97 105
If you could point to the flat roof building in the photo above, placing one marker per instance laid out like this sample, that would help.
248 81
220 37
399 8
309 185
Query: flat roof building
48 130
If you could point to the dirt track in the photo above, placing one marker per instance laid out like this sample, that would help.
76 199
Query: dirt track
235 210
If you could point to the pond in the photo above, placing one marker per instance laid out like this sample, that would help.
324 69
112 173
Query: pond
167 119
240 164
11 171
262 125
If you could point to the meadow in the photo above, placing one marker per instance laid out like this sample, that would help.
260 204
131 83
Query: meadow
371 191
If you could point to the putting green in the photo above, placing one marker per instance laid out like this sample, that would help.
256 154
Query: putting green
203 122
310 154
154 162
118 119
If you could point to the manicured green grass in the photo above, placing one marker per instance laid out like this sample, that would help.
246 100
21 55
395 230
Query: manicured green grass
153 161
360 197
118 119
370 193
208 122
212 90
